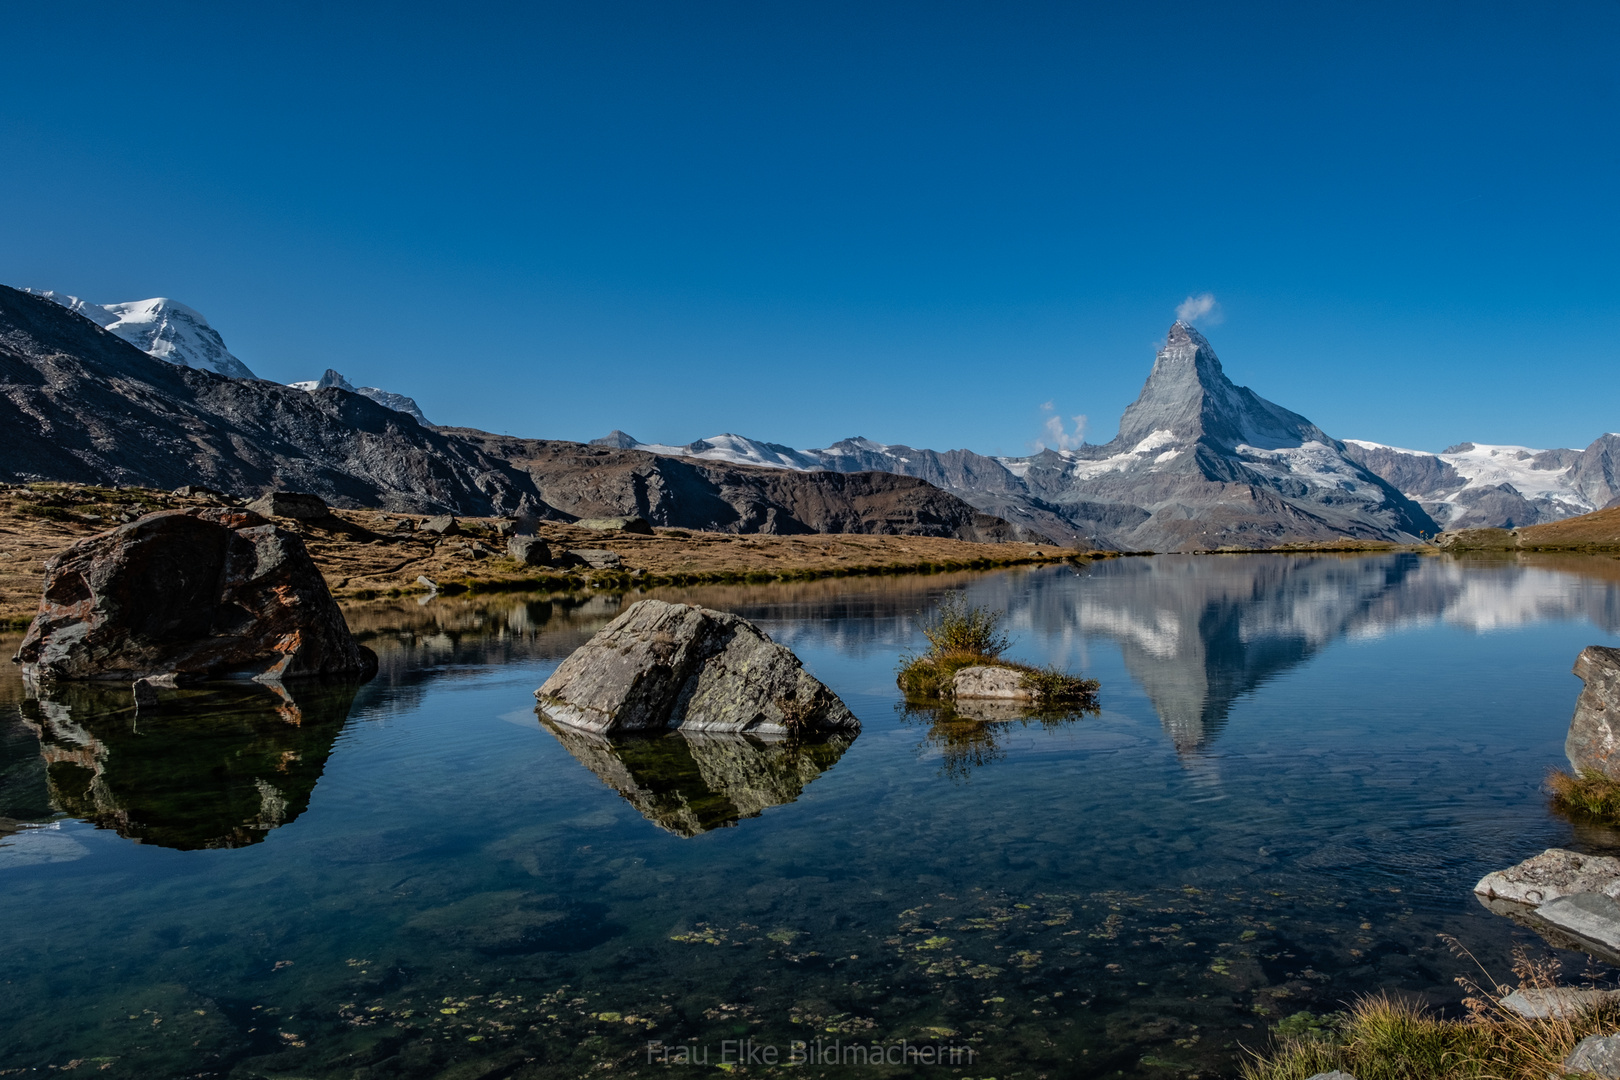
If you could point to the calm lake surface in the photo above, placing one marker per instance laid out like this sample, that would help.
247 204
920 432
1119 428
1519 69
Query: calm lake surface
1300 768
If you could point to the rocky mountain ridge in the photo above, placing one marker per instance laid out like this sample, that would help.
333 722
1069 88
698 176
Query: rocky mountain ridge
84 405
1198 463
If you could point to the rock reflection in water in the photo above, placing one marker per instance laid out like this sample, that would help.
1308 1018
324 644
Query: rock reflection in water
972 734
690 782
212 767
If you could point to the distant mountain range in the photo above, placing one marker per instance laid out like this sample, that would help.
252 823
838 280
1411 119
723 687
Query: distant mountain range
1201 463
79 403
1198 463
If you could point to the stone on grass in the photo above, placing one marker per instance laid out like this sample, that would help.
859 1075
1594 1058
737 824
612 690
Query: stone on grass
662 665
1596 1054
990 681
1557 1002
1553 873
529 550
299 505
1336 1074
189 594
635 525
596 558
444 525
1594 731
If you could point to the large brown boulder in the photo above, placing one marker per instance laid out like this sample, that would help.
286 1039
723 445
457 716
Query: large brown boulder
1594 731
192 594
662 665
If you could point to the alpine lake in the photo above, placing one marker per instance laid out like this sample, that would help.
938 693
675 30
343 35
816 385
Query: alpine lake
1300 767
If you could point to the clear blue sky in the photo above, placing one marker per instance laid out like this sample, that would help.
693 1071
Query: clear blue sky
801 221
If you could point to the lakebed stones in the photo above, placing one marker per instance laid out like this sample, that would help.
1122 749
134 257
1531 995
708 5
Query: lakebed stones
1596 1054
299 505
1550 875
662 665
529 551
992 683
189 594
1594 731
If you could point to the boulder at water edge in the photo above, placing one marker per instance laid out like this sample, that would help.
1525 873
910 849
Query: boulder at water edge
1594 731
1550 875
190 594
662 665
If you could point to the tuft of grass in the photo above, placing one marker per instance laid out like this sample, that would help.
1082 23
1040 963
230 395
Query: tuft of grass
1590 794
1384 1037
962 635
959 628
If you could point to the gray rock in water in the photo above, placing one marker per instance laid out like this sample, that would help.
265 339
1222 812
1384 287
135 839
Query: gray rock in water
444 525
529 550
1596 1054
636 525
596 558
1557 1002
989 681
662 665
1594 731
1550 875
1592 916
290 504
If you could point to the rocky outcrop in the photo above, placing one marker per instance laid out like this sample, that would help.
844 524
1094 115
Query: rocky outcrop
299 505
662 665
1557 1002
529 551
1594 731
1550 875
633 525
1595 1055
189 594
689 782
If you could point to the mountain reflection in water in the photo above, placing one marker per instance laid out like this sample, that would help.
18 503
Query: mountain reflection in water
690 782
212 767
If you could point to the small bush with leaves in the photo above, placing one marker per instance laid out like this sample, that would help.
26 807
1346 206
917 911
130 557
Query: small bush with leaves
959 628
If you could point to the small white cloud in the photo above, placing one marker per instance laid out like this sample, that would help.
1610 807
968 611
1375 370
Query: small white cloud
1201 308
1057 434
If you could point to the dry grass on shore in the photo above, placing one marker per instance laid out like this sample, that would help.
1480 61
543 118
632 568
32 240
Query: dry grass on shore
1587 794
1384 1037
366 554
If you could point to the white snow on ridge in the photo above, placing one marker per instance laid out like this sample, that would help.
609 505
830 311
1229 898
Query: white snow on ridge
161 328
386 398
1487 465
739 450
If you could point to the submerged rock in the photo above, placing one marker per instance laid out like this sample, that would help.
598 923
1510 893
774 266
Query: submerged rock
1550 875
662 665
189 594
1594 731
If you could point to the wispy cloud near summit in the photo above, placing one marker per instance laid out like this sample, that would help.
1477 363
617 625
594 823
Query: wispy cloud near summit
1200 308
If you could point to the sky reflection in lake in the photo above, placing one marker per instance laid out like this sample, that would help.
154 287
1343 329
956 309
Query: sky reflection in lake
1300 767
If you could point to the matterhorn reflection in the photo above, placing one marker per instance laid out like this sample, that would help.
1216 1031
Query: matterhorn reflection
1198 632
207 767
689 782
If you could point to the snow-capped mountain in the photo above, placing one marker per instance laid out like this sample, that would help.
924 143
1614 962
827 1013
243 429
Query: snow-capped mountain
166 329
1475 485
387 399
1198 463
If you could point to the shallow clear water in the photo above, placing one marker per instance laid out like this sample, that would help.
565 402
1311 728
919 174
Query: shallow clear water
1301 766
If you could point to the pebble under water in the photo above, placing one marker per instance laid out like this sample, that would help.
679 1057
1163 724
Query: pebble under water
1300 767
